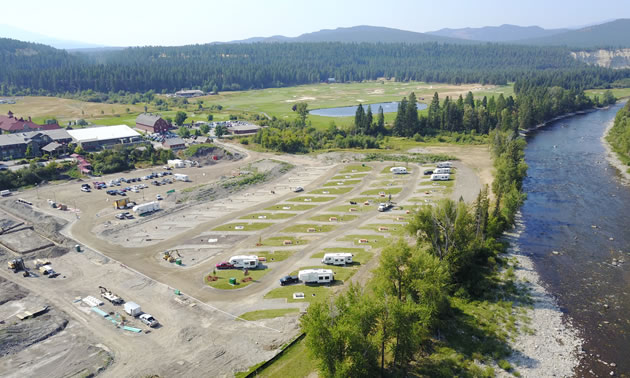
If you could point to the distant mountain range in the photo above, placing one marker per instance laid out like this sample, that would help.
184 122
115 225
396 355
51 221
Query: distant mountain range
610 34
503 33
7 31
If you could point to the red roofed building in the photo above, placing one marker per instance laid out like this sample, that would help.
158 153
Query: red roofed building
12 124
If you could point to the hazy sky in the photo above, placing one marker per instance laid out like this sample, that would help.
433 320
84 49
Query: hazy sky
168 22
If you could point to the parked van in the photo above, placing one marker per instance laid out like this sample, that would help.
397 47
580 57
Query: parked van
442 170
445 164
440 177
398 170
316 276
245 262
5 193
337 258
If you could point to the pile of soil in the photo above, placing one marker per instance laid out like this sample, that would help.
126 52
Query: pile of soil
206 155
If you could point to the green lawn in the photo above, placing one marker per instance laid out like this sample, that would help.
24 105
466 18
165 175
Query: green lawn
346 208
225 274
304 228
341 273
331 191
375 241
617 92
246 226
342 183
295 362
268 314
271 256
391 228
349 176
320 293
277 241
340 218
373 192
312 199
290 207
388 183
356 168
359 255
268 216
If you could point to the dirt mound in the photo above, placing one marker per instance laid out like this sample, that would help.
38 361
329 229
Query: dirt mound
19 335
42 223
10 292
208 155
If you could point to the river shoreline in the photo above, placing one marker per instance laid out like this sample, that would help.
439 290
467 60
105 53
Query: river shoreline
612 157
554 348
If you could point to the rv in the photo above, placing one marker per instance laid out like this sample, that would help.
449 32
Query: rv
5 193
440 177
146 207
316 276
245 262
445 164
398 170
442 171
176 163
181 177
337 258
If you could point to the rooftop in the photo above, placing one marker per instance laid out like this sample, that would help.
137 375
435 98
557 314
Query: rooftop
148 119
102 133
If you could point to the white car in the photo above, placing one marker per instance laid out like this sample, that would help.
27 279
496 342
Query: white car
149 320
158 197
298 189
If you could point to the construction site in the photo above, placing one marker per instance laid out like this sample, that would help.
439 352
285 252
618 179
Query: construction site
169 292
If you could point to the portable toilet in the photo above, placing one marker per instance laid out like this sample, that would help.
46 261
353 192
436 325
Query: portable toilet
232 281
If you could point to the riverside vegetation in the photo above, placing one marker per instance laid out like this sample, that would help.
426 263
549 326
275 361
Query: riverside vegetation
619 135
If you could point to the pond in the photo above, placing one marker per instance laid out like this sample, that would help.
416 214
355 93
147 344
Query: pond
349 111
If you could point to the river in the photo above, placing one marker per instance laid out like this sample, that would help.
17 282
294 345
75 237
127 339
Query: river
577 206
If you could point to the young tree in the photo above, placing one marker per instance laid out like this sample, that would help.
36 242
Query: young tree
183 132
204 129
220 130
210 117
180 117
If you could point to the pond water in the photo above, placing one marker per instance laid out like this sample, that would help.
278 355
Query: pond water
350 111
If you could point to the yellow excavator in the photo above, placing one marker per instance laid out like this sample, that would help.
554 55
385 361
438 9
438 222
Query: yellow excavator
171 256
17 265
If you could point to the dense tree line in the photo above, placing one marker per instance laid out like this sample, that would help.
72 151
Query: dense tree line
391 325
123 159
37 69
619 135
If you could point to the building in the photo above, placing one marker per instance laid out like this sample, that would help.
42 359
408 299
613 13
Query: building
152 123
96 138
189 93
242 128
12 124
174 144
16 145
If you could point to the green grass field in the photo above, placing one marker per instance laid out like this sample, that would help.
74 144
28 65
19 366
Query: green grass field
356 168
311 293
359 255
290 207
346 208
343 190
303 228
349 176
269 314
312 199
342 183
268 216
375 241
340 218
617 92
278 241
223 282
391 228
245 226
341 273
375 192
271 256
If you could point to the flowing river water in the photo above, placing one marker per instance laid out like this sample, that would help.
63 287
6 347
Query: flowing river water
577 229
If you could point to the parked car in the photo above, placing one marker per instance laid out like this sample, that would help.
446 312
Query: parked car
85 189
287 280
120 216
158 197
298 189
428 172
224 265
148 320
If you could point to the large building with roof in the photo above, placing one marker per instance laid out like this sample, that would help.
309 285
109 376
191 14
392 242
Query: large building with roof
152 123
96 138
11 124
16 145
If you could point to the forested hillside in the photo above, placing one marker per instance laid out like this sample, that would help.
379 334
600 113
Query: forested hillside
36 69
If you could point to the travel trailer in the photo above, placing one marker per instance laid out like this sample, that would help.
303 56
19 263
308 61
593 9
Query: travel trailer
398 170
337 258
245 262
440 177
316 276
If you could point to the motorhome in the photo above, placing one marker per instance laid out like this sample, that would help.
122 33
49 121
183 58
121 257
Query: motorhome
440 177
398 170
181 177
316 276
245 262
146 208
445 164
442 170
337 258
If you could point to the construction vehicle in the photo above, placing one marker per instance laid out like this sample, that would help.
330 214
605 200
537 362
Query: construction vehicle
171 256
113 298
17 265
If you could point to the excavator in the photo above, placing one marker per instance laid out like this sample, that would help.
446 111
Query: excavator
171 256
17 265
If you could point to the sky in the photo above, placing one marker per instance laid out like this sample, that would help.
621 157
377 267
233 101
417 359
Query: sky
168 22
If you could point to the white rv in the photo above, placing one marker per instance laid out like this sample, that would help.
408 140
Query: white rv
441 171
181 177
445 164
146 207
440 177
398 170
176 163
245 262
316 276
337 258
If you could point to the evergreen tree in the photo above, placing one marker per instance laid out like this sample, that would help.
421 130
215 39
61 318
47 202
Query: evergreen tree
411 116
368 127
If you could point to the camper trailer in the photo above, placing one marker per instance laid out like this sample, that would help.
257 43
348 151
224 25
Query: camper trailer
442 171
337 258
440 177
245 262
316 276
181 177
398 170
176 163
445 164
146 207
